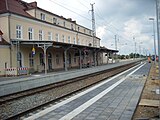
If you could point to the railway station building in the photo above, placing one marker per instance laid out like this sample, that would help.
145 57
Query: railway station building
35 40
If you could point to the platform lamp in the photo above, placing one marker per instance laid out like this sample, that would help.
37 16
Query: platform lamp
154 39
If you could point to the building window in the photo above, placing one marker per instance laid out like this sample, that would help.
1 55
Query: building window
63 38
78 42
71 26
81 42
69 39
49 61
19 59
40 35
31 61
84 30
75 60
57 59
86 43
78 28
30 33
41 60
49 36
64 23
19 32
54 20
57 37
74 40
43 16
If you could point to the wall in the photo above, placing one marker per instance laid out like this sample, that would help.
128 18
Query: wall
4 58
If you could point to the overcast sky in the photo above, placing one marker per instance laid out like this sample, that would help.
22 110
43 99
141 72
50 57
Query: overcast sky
124 18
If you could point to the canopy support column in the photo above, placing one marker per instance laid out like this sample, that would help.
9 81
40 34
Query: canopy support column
95 58
65 56
80 59
44 48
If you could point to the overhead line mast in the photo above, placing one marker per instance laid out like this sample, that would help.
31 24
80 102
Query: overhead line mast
93 25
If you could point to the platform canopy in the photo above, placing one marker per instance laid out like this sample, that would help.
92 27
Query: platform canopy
61 45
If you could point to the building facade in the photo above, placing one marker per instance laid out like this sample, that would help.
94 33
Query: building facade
40 40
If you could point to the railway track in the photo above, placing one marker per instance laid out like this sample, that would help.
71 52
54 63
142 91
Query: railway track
15 105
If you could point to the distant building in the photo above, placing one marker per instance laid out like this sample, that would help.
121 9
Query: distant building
39 40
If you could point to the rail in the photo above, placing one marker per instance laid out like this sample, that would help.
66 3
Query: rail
15 104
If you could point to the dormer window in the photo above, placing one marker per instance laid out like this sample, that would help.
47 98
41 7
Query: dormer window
64 23
43 16
54 20
71 26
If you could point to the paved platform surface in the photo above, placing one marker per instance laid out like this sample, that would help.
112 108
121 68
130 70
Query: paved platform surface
9 86
115 98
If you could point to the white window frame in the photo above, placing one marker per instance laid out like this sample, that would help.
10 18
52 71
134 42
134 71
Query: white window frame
40 35
72 27
54 20
30 33
63 38
57 37
74 40
69 39
19 32
49 35
43 17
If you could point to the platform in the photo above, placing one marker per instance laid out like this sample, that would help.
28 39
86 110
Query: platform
20 84
115 98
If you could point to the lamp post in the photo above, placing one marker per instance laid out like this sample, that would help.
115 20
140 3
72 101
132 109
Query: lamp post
157 18
140 54
135 48
154 39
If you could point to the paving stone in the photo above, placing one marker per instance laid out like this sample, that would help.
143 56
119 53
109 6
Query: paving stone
114 117
119 103
90 118
125 117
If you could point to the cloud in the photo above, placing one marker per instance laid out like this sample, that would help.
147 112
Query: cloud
132 27
101 31
124 18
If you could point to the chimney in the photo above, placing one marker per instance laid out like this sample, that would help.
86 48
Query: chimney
33 4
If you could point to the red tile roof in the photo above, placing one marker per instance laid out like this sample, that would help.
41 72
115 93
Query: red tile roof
16 6
3 41
1 33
